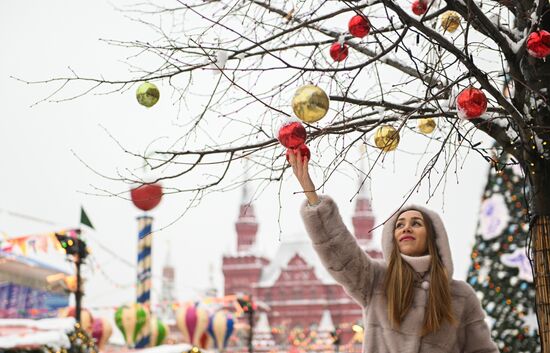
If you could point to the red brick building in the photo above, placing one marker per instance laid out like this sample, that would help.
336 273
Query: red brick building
294 284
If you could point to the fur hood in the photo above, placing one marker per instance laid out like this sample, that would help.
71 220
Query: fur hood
442 240
364 280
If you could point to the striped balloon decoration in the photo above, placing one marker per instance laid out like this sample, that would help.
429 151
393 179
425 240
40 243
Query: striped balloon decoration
131 320
206 341
159 332
220 328
102 331
86 318
192 322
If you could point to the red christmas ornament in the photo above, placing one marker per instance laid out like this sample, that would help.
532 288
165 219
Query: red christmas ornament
471 103
419 7
338 52
146 196
538 44
359 26
304 151
292 135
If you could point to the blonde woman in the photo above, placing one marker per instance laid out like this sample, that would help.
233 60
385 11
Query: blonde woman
410 302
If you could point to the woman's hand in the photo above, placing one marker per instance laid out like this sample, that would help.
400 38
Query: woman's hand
300 168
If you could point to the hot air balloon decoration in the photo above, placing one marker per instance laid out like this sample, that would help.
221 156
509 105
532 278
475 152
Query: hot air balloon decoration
159 332
192 322
220 329
206 341
86 318
132 321
101 332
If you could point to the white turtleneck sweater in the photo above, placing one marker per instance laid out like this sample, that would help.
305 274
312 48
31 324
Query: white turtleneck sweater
420 264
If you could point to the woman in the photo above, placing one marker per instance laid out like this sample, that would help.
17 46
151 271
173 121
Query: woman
410 302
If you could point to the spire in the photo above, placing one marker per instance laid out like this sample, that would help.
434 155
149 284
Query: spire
211 291
263 339
168 261
326 324
167 294
262 326
363 218
363 182
246 225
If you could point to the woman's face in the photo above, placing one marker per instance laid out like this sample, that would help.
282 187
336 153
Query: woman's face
410 233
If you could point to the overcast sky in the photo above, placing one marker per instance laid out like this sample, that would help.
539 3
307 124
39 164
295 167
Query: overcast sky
43 178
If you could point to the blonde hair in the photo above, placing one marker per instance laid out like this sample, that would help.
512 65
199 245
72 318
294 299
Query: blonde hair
399 284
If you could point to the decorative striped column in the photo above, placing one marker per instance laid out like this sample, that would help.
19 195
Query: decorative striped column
143 285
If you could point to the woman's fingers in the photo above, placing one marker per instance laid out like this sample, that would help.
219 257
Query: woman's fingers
292 158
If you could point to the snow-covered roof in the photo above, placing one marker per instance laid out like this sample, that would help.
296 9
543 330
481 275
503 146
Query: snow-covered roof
32 333
35 271
290 246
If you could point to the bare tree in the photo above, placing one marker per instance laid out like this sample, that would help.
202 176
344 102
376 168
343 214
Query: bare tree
261 51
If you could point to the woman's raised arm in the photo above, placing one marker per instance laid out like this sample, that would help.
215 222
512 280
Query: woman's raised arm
348 264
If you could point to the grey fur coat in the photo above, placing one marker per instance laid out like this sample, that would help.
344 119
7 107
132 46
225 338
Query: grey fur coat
363 279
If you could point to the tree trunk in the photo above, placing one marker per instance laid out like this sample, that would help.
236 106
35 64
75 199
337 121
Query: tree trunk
539 178
540 232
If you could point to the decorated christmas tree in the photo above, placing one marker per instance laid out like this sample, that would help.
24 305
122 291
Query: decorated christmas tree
501 272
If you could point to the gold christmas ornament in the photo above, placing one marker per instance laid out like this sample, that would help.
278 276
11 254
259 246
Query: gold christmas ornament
310 103
386 138
426 125
450 21
147 94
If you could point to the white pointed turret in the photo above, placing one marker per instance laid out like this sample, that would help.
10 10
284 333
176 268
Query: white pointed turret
263 339
263 324
326 324
167 294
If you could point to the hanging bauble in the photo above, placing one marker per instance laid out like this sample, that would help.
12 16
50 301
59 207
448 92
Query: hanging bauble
471 103
386 138
304 151
538 44
310 103
419 7
426 125
292 134
146 196
450 21
101 332
147 94
359 26
86 318
339 51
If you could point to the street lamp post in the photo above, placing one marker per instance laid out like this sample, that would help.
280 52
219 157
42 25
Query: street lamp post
75 247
